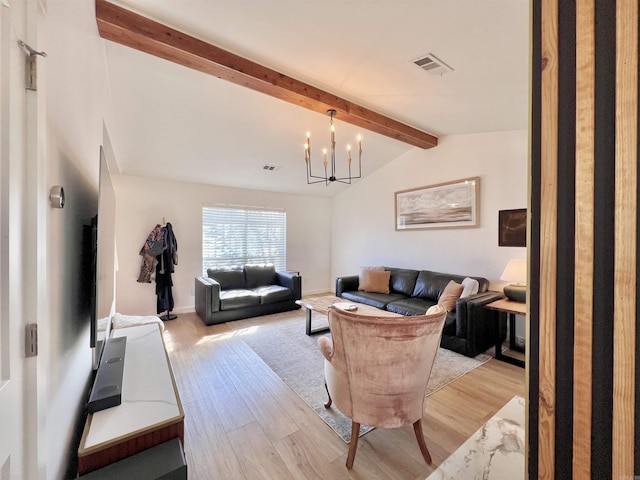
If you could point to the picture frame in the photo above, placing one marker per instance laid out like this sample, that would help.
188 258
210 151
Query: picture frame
512 228
453 204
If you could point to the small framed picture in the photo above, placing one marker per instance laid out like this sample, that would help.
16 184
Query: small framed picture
512 228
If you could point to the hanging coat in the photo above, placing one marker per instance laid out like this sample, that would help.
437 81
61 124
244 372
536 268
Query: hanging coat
152 247
164 268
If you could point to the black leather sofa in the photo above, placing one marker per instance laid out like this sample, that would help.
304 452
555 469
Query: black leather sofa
248 291
470 329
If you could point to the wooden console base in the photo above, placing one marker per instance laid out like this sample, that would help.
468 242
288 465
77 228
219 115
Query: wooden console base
105 456
150 413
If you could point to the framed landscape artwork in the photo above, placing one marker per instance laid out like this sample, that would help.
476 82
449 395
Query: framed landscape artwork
445 205
512 228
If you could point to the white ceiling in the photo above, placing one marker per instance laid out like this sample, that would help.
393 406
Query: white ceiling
173 122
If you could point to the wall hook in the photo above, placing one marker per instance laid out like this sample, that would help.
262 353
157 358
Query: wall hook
31 71
30 51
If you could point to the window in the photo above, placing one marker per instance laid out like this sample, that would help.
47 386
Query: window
239 235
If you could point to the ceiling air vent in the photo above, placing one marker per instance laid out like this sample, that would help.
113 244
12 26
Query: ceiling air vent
271 168
432 65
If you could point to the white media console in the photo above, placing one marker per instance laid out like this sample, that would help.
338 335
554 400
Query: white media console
150 412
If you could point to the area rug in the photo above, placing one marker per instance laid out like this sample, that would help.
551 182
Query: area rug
494 452
280 341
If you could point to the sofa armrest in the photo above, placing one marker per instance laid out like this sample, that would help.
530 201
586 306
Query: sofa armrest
349 283
207 296
474 323
292 281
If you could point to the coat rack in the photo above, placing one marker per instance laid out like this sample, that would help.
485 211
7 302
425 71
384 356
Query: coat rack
160 252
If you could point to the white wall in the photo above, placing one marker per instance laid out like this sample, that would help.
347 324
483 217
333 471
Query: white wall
73 84
363 215
141 203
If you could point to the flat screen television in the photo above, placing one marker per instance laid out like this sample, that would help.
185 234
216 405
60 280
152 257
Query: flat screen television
103 261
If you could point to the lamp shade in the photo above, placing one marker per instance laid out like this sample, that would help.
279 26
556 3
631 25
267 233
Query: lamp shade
515 272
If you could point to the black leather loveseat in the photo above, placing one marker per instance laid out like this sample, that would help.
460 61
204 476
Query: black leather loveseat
469 329
248 291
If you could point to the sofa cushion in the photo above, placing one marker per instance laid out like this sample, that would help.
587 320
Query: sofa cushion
430 285
410 306
450 296
228 278
378 300
260 275
403 280
238 298
273 294
376 281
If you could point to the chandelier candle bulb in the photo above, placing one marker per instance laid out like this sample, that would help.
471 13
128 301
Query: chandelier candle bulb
349 154
309 144
324 150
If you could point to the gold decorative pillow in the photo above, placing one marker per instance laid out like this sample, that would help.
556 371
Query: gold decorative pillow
363 272
375 281
378 268
450 295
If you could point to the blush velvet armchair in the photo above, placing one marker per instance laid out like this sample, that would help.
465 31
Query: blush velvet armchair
377 368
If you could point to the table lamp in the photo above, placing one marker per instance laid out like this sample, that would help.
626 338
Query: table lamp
516 273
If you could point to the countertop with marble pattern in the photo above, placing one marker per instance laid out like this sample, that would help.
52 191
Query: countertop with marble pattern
494 452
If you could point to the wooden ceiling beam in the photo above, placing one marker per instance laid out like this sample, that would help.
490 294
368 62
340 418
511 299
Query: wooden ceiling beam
132 30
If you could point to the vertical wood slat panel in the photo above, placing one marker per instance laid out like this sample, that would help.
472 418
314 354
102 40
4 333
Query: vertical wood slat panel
548 239
584 204
625 234
566 234
618 190
533 242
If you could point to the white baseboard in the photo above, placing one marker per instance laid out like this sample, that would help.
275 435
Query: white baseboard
180 310
315 292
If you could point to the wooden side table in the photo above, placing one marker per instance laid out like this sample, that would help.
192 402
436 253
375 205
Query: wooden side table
511 309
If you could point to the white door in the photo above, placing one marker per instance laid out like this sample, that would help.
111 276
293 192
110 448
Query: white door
18 434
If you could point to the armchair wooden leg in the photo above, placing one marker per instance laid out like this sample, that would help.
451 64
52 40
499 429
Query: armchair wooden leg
353 444
329 402
417 428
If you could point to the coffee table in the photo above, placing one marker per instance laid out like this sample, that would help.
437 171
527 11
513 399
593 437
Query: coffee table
322 304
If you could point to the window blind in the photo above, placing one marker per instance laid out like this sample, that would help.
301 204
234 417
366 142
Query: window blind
233 236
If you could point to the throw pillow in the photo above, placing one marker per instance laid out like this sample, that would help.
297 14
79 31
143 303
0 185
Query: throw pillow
433 309
450 294
378 268
470 287
363 271
375 281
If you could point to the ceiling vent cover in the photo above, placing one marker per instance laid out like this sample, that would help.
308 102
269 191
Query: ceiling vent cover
432 65
271 168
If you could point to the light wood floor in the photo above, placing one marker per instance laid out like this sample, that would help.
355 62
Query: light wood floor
243 422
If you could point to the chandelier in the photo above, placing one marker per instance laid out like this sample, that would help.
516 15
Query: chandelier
330 172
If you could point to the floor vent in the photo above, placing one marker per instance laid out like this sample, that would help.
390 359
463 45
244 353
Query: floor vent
432 65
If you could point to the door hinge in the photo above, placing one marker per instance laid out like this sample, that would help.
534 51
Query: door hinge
31 70
31 340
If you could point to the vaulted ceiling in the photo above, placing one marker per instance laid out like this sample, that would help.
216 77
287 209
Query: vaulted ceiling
174 122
